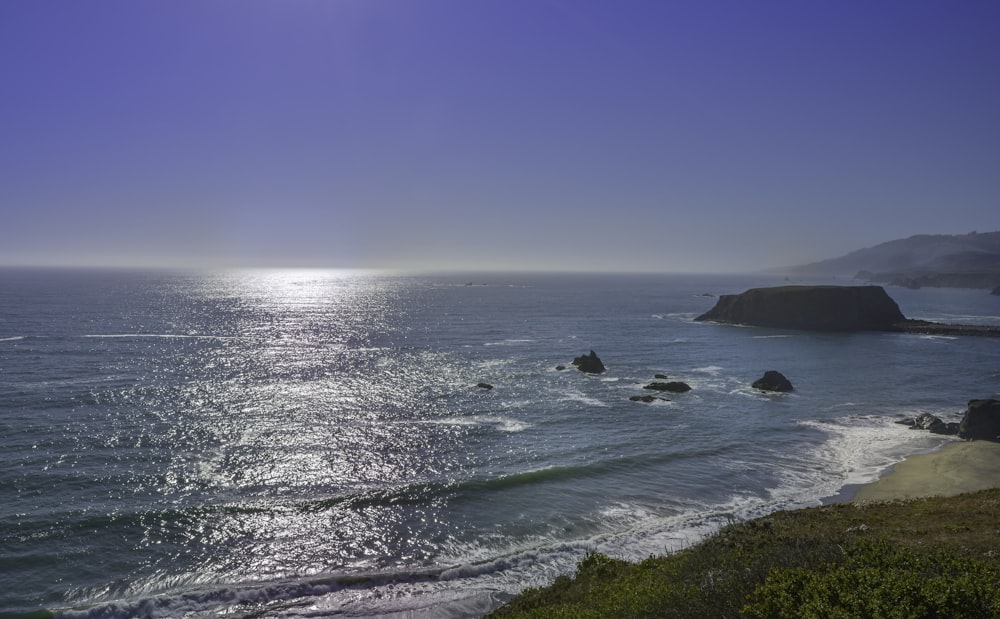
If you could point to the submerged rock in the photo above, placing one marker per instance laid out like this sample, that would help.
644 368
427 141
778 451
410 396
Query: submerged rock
674 386
486 386
591 363
646 398
773 381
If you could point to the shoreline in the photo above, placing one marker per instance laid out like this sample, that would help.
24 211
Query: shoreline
955 468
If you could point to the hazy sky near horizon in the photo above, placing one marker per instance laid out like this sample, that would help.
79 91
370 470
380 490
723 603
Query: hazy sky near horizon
505 134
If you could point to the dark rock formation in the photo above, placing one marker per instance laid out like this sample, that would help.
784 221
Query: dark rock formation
825 308
674 386
560 368
981 421
660 376
486 386
773 381
589 363
933 424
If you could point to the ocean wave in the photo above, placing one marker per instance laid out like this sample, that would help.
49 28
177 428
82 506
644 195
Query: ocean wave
240 599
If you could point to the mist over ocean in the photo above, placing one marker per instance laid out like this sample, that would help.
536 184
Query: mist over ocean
314 443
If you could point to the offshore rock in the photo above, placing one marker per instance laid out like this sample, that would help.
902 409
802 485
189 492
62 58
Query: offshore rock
773 381
589 363
981 420
486 386
823 308
673 386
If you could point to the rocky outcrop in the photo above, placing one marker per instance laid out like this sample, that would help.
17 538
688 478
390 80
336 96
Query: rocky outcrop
823 308
773 381
981 420
591 363
485 386
673 386
931 423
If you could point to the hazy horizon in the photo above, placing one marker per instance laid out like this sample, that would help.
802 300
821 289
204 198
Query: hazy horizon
492 136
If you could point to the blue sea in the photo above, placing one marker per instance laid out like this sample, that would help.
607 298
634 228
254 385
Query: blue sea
281 443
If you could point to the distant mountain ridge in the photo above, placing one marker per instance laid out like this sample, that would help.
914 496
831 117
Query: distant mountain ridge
956 261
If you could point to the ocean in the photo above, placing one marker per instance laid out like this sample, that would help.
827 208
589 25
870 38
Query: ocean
280 443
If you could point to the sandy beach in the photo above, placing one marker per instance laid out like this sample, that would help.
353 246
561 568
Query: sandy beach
959 467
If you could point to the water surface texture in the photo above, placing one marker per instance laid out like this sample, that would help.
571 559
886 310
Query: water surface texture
314 443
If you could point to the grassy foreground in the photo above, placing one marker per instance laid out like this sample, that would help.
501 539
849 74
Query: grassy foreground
936 557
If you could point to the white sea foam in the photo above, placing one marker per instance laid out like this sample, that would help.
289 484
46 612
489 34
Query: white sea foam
577 396
861 448
506 424
11 339
714 370
160 335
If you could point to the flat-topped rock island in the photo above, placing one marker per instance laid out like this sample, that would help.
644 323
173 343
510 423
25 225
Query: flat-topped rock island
827 308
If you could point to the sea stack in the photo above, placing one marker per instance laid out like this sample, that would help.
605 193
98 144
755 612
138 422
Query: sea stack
589 363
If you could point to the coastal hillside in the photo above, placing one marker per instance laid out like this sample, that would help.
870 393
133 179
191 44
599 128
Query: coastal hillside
956 261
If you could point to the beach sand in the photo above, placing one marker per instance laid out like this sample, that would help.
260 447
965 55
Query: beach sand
959 467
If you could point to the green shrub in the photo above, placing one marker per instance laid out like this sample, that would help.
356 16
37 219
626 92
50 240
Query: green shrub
878 579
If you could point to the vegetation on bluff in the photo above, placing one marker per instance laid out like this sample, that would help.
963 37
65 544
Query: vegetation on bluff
937 557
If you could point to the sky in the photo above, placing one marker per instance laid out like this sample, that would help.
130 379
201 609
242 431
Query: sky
622 135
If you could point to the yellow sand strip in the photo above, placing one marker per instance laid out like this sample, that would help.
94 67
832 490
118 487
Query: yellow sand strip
959 467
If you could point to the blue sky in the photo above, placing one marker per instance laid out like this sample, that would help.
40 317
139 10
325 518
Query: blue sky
501 134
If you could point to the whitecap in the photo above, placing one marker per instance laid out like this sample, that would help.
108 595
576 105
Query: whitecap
11 339
576 396
160 335
505 424
714 370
